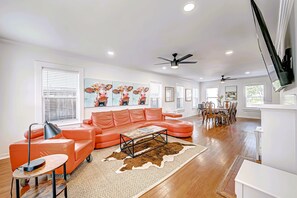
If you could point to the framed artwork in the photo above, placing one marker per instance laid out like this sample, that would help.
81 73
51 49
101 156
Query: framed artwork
121 93
97 93
169 94
188 95
140 94
231 93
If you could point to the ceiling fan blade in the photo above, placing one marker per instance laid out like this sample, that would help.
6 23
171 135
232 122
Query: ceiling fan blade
232 79
184 57
164 59
188 62
227 78
162 63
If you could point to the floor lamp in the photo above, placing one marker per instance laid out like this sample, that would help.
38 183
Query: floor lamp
50 130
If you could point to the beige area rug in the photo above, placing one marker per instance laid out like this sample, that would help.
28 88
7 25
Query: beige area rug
227 186
101 178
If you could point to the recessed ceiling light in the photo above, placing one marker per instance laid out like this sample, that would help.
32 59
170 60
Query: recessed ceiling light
189 7
164 68
247 72
201 78
110 53
229 52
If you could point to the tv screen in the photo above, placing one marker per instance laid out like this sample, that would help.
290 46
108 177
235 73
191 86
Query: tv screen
278 74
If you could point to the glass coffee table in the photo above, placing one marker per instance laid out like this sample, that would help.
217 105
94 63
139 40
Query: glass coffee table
129 140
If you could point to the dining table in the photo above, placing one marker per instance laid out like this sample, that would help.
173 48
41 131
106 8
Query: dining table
214 110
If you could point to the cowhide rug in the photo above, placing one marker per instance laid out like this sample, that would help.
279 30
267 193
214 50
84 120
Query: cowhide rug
156 157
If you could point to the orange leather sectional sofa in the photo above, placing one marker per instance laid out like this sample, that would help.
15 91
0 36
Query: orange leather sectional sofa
78 144
109 125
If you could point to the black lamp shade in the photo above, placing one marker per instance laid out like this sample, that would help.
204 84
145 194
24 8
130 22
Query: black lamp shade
50 130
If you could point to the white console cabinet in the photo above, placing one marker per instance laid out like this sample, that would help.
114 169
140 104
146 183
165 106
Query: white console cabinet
279 138
259 181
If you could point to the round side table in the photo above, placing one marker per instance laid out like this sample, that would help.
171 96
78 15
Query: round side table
52 162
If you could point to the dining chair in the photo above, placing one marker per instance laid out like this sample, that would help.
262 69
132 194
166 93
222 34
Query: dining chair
210 115
235 111
226 115
226 104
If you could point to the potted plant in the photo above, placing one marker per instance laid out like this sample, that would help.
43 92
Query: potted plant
220 98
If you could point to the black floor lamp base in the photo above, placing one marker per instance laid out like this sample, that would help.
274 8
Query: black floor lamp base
34 164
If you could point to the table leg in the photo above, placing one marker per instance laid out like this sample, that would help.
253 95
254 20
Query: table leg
121 141
17 188
133 148
36 181
65 178
54 184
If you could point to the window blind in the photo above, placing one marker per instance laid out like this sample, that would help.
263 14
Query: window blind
59 94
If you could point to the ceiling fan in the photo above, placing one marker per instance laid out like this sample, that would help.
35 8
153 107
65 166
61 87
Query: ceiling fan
175 62
223 79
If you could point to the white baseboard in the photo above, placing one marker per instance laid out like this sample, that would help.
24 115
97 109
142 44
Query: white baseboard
4 156
249 117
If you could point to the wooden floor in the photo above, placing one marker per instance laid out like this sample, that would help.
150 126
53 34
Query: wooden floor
201 176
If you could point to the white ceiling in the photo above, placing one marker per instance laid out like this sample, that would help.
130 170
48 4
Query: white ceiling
139 31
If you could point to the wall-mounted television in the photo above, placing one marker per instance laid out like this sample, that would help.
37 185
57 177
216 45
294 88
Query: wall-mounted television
279 71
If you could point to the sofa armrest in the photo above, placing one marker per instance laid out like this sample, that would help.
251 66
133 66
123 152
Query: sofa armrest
79 134
87 121
97 129
173 115
19 151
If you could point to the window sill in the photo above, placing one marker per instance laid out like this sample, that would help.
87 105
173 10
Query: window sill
251 109
66 123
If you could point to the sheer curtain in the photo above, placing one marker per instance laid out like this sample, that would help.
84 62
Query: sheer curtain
283 21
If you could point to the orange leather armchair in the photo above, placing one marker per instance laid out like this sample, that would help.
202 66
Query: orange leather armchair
78 144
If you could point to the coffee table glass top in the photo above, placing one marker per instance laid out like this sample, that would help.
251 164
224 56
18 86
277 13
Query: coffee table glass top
141 132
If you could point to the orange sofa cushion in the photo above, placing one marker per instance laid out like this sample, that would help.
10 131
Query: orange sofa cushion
153 114
103 119
121 117
137 115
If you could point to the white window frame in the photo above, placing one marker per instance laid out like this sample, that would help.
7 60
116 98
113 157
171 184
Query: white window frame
183 97
39 65
161 94
244 91
193 97
206 98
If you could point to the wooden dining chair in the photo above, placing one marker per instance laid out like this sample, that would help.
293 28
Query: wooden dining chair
235 111
226 115
226 104
210 115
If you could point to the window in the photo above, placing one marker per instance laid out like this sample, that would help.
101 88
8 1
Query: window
254 95
180 97
155 95
195 97
212 95
60 95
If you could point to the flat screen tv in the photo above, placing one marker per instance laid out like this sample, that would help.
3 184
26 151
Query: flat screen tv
279 72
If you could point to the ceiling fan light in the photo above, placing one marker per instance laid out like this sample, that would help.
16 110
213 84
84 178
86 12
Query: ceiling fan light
222 81
174 66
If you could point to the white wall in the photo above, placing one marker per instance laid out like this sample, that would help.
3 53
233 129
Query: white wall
292 89
17 87
242 111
